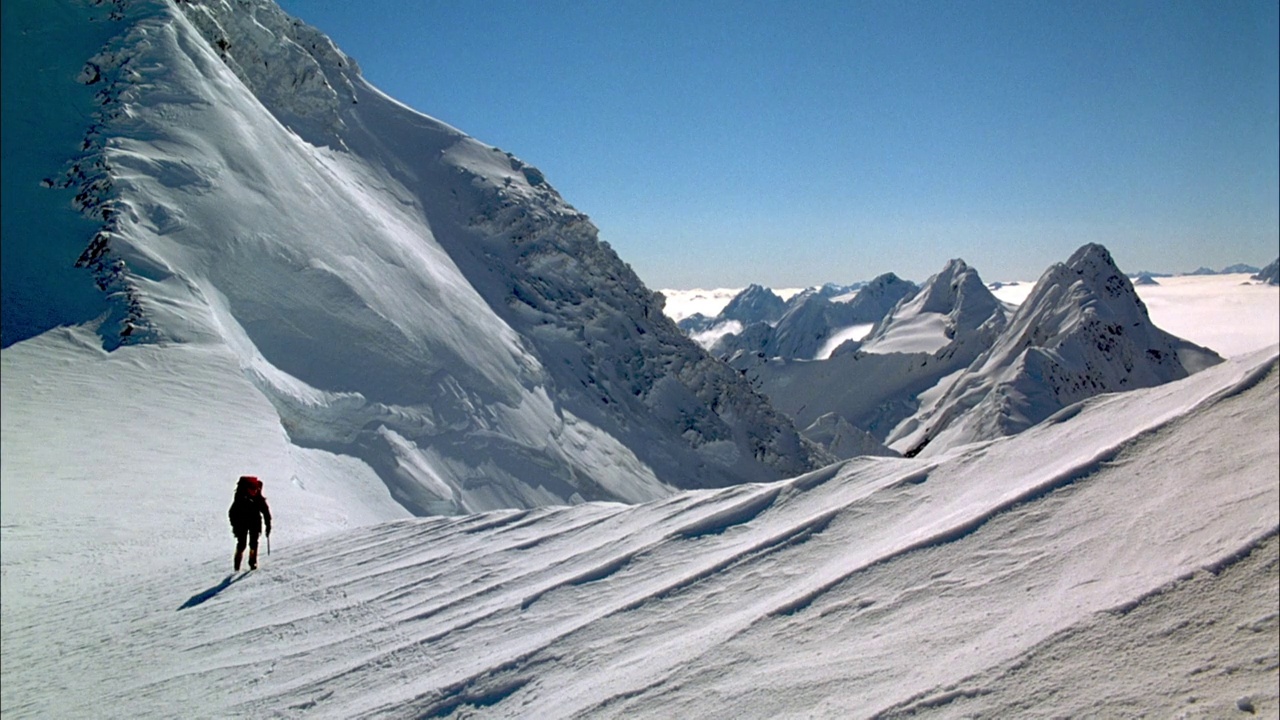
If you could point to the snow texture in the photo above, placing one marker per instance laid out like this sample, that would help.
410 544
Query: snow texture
1120 561
951 304
877 384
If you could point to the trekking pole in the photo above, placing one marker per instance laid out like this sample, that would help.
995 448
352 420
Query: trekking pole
268 544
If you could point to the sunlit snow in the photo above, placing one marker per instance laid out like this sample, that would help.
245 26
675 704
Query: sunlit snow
384 319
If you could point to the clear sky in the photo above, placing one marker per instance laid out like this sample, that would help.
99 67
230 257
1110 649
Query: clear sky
792 143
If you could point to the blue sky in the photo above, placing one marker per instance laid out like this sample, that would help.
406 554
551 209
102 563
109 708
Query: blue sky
793 143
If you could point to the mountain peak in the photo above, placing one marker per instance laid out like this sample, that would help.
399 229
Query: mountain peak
754 304
1082 331
952 304
405 296
1090 254
295 70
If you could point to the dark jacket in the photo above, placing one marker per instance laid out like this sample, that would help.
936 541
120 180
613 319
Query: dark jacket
248 512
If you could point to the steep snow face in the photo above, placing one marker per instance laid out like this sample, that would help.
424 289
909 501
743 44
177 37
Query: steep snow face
953 303
401 293
1081 332
811 321
806 325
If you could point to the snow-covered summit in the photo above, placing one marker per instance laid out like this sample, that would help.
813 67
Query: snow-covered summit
949 306
877 297
754 304
1081 332
876 384
401 293
804 327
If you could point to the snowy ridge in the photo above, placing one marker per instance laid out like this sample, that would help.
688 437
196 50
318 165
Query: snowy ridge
843 440
710 603
1082 331
804 327
401 293
875 299
295 70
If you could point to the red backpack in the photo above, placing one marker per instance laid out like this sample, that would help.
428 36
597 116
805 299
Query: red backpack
249 486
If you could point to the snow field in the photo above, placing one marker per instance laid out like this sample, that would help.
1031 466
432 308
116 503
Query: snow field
136 459
866 588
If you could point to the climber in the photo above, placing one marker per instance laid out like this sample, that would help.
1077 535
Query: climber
248 512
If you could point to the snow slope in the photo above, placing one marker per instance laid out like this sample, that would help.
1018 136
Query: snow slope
811 322
754 304
1120 561
114 462
756 322
403 295
789 323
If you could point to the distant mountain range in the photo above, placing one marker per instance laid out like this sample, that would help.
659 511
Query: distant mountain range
1083 330
1237 269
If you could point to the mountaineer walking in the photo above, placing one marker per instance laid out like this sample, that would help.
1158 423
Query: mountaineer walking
248 512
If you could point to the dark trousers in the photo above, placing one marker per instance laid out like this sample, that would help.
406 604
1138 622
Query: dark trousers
251 534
